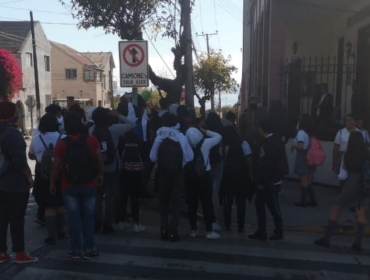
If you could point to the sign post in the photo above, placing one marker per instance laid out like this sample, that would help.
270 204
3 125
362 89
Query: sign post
134 70
31 103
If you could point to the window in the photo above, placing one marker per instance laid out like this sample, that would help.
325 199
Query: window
89 75
104 85
29 60
47 63
98 76
71 74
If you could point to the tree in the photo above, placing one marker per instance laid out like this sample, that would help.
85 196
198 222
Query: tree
128 18
10 76
226 109
213 73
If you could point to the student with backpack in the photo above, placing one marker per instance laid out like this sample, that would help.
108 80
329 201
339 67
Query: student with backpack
79 158
42 150
171 151
237 176
108 136
305 171
131 150
355 168
15 184
268 182
199 176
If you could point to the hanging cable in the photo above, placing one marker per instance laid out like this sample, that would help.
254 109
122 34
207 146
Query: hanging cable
169 69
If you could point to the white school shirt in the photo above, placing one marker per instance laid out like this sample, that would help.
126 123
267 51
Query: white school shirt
303 137
342 138
38 149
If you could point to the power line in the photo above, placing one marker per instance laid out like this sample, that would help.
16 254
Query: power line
43 22
227 8
12 35
218 37
41 11
232 6
201 17
2 35
3 3
158 52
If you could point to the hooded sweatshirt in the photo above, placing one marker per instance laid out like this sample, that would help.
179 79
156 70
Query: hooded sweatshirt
194 136
173 134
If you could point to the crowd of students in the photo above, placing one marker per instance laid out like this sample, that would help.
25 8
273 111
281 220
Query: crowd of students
88 167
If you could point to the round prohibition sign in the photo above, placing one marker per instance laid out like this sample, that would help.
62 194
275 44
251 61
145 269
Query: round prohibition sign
132 52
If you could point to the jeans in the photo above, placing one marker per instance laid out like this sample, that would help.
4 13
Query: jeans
130 188
269 196
13 208
200 189
80 204
110 188
170 194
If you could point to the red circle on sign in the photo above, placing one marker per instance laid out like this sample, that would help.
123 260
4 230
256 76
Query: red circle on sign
138 61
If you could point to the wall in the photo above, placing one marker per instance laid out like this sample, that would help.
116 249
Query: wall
77 88
43 49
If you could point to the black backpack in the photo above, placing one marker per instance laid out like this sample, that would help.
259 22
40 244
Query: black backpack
47 159
107 148
80 166
196 168
130 150
170 158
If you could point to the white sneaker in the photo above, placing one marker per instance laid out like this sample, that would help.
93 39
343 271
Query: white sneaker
123 225
216 227
139 228
193 233
212 235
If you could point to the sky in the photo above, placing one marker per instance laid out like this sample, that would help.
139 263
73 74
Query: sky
208 16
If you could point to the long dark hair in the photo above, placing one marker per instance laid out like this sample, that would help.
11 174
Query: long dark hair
357 152
213 122
307 124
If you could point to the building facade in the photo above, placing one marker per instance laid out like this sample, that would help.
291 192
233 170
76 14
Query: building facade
290 46
15 36
75 74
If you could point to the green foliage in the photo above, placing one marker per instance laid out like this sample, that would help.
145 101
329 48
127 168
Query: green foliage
226 109
214 73
126 18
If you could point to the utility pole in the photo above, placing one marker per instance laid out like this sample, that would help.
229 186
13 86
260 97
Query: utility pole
207 35
186 10
37 86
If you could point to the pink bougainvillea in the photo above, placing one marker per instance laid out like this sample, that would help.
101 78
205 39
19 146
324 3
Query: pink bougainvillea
10 76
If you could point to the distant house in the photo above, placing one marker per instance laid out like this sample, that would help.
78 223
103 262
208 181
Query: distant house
15 36
105 62
86 77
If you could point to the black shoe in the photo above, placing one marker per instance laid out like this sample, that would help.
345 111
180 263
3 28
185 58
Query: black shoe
301 204
357 248
262 236
323 242
90 254
277 237
61 236
164 235
76 255
312 203
241 230
108 229
50 241
174 238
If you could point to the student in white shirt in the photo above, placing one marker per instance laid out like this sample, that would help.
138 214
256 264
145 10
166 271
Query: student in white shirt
54 209
341 142
302 169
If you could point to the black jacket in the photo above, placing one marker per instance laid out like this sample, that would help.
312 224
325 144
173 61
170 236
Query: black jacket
270 159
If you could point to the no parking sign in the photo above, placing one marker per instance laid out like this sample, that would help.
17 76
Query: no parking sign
134 63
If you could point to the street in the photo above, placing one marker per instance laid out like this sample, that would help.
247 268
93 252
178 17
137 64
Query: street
129 255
